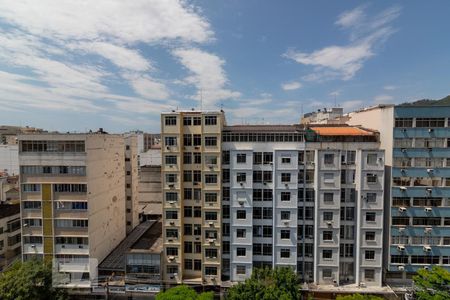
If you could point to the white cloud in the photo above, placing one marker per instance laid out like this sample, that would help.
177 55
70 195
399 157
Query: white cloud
351 18
389 87
149 88
383 98
352 104
335 93
206 74
289 86
129 22
344 62
118 55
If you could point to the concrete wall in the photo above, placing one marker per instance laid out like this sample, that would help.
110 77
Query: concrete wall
9 159
150 190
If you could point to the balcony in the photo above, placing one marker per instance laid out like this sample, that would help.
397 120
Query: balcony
71 249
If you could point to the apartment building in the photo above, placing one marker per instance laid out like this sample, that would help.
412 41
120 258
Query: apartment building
191 185
417 139
72 201
309 198
133 147
9 234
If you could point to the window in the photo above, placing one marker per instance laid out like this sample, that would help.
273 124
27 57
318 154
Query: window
267 231
197 264
328 177
257 213
187 140
172 269
257 176
211 253
327 254
257 158
171 233
197 229
285 215
369 255
197 158
197 121
187 229
327 273
171 121
372 178
328 197
210 216
188 211
187 121
267 158
171 196
241 158
286 177
188 264
399 259
29 187
210 120
211 160
240 251
327 235
210 178
285 196
369 274
170 141
285 253
210 141
197 247
285 234
403 122
346 250
210 197
372 158
197 176
31 204
267 213
430 122
267 176
197 140
187 176
370 236
187 158
226 211
210 270
241 177
328 159
240 233
370 216
371 197
240 270
328 216
241 214
285 160
171 214
171 178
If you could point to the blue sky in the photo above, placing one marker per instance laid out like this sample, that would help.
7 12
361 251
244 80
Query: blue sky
79 65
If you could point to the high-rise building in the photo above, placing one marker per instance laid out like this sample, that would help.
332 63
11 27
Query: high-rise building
417 143
191 184
308 198
132 179
9 234
73 201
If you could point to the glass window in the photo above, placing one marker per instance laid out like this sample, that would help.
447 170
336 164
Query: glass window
170 120
210 120
328 158
241 158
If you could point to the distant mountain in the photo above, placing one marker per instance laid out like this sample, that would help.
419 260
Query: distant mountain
440 102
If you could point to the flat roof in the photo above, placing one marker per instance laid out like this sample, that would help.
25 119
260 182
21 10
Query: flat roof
264 128
341 131
8 210
115 261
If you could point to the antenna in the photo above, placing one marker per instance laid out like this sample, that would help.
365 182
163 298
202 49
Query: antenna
335 100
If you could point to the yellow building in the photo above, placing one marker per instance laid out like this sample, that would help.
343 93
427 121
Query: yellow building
191 184
73 200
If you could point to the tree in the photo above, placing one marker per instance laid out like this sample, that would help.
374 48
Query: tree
280 283
31 280
358 297
183 292
432 284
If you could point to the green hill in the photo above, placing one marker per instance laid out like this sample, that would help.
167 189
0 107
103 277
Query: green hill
441 102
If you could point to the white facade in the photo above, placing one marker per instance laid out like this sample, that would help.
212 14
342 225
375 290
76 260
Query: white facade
9 159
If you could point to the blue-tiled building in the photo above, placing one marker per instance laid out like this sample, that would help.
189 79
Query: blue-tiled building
418 140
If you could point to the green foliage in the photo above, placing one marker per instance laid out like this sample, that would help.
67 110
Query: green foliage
267 284
31 280
358 297
432 284
441 102
183 292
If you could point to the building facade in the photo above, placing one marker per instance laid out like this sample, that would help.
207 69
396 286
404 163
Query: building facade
9 234
418 193
72 201
191 185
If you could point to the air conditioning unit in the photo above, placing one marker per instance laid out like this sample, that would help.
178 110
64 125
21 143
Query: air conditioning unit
197 238
211 166
403 150
170 166
430 170
265 183
403 171
286 223
401 268
170 240
171 185
62 246
80 247
430 129
362 284
426 248
401 248
286 185
211 240
172 223
241 202
429 190
426 267
403 130
197 147
330 223
195 183
34 246
402 209
401 229
428 229
171 258
171 202
168 148
403 188
428 209
211 224
430 149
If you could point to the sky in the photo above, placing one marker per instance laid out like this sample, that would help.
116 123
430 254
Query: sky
80 65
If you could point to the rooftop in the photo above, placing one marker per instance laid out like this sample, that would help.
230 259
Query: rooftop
8 210
264 128
146 236
341 131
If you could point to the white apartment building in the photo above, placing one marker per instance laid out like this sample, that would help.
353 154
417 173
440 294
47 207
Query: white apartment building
72 201
314 205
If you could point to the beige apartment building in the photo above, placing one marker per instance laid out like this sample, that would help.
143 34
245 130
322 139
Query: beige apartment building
191 184
9 234
72 201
